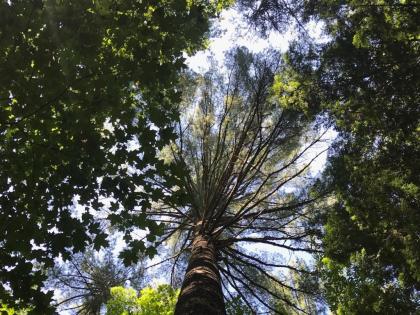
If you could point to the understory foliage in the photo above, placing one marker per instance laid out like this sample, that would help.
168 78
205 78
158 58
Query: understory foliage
150 301
79 80
10 311
246 181
160 300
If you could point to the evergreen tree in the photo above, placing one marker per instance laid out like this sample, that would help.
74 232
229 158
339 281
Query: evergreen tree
85 281
241 148
365 78
369 75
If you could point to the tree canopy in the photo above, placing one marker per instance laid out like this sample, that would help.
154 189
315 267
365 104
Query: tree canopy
365 78
369 73
79 82
102 130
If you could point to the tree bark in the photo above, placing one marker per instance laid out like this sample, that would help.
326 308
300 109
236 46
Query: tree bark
201 292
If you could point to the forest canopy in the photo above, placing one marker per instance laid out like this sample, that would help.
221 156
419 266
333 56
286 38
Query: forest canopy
121 166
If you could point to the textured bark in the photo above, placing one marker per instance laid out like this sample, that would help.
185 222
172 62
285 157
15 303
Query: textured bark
201 292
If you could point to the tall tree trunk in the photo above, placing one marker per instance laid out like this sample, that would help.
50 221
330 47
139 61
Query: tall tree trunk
201 292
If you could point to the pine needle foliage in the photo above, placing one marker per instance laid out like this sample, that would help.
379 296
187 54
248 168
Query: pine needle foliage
246 160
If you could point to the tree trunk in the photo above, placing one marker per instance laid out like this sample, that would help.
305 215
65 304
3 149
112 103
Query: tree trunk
201 292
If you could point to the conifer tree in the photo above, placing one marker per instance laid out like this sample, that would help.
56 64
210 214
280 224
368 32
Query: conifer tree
245 152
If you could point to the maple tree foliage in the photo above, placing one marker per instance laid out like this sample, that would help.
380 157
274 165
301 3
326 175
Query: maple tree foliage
79 81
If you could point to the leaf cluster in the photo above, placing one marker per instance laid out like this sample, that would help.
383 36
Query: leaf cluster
151 301
79 82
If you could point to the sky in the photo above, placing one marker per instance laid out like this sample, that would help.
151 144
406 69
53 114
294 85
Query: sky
233 31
